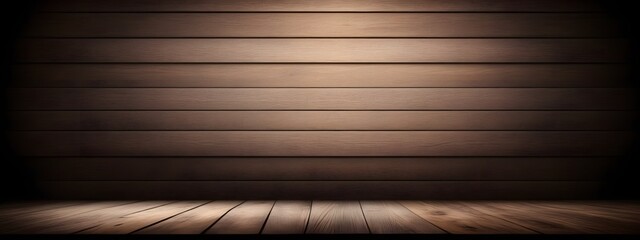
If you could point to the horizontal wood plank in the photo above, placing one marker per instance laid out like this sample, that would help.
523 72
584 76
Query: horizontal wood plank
326 143
321 99
504 190
225 168
312 5
305 99
322 50
320 75
324 120
322 25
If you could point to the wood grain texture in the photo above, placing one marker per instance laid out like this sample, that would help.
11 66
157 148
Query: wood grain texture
132 222
322 99
574 217
619 210
320 75
322 50
617 206
91 219
389 217
11 209
459 219
324 168
323 120
322 25
372 190
194 221
337 217
551 221
248 218
288 217
25 222
333 99
325 143
598 219
326 5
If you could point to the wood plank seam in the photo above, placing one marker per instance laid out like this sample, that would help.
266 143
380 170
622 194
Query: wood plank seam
306 226
267 218
366 222
507 220
217 220
162 220
138 211
445 231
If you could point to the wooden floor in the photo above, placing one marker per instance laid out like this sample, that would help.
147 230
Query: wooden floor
320 217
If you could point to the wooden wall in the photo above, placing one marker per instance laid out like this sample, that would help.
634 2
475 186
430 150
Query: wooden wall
322 99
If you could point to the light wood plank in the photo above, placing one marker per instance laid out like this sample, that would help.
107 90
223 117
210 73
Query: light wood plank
336 217
80 222
26 222
322 50
608 217
20 208
585 219
605 220
324 120
288 217
132 222
543 221
312 5
248 218
322 25
384 217
323 99
321 168
459 219
623 207
324 143
194 221
507 190
320 75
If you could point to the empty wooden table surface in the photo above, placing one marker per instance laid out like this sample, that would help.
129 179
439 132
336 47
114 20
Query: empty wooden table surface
320 217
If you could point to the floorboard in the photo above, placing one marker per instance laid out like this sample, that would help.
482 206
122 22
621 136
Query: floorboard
547 222
14 209
248 218
32 221
337 217
288 217
80 222
194 221
132 222
321 217
598 219
391 217
459 219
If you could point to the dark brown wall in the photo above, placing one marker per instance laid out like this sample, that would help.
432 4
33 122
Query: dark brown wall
322 99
